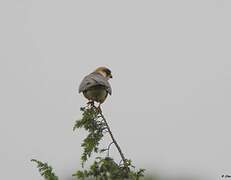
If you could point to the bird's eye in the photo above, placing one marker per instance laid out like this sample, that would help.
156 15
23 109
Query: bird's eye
107 71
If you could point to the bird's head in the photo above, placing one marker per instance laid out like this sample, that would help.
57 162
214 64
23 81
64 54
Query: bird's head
104 72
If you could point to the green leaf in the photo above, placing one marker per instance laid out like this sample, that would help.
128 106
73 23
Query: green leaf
45 170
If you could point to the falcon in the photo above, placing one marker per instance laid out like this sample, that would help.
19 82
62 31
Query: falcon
95 86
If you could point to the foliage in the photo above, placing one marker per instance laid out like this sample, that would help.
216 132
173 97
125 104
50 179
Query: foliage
45 170
107 169
103 168
95 127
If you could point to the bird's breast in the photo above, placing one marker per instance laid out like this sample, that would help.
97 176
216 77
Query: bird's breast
97 93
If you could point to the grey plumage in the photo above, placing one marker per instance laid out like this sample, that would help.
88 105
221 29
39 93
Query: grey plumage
95 79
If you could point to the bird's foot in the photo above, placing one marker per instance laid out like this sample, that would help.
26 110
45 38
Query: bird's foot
91 104
99 108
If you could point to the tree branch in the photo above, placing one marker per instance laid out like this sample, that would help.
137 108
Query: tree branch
113 139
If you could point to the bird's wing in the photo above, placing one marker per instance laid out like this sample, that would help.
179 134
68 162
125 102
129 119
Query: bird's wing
94 79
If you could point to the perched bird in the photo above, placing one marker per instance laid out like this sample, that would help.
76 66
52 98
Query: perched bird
95 86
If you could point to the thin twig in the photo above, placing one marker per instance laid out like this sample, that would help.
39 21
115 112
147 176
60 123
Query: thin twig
108 148
113 139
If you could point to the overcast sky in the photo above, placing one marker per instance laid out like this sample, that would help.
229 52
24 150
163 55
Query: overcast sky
171 65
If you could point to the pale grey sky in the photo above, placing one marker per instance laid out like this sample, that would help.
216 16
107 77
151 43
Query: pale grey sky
171 63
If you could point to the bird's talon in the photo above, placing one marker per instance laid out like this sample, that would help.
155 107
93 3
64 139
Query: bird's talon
90 103
99 109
